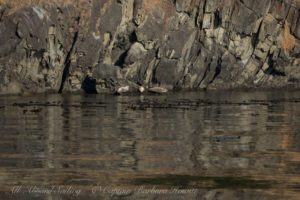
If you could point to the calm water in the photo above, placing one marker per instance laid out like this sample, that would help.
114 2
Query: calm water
193 145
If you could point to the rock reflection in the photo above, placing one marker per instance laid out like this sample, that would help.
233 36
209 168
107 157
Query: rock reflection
101 140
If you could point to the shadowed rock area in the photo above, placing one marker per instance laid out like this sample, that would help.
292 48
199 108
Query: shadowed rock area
100 46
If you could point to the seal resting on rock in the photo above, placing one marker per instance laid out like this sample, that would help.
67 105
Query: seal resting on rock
158 90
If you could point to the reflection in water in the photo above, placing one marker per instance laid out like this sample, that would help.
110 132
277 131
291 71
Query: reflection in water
225 145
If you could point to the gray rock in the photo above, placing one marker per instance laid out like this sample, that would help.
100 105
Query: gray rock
103 45
104 71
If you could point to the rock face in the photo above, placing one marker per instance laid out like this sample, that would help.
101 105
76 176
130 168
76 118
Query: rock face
102 45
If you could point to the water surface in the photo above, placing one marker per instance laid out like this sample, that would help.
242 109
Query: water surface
189 145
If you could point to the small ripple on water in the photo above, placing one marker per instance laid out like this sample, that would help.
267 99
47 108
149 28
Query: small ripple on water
221 143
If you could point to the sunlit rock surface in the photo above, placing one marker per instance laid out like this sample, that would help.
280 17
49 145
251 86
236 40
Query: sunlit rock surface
58 45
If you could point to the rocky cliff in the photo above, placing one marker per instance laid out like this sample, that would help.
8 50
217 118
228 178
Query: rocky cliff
101 45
